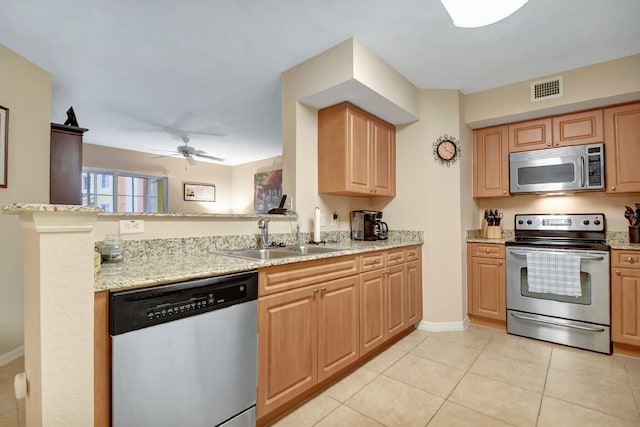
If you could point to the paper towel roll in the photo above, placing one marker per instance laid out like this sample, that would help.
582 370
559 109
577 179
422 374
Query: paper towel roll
20 385
316 226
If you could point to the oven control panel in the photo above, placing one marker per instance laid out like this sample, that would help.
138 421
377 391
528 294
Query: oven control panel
560 222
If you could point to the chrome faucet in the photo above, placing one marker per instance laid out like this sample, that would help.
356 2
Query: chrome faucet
263 225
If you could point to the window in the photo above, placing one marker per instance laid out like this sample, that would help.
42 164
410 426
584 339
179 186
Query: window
115 191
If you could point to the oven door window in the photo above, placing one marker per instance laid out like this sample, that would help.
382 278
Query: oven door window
585 285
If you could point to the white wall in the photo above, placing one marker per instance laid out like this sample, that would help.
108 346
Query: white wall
25 90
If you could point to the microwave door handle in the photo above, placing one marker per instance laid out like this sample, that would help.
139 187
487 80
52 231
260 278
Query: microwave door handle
582 171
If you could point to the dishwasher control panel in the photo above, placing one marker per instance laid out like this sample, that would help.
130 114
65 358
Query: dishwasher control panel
137 309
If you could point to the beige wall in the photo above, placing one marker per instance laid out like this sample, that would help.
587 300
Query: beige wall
25 90
586 87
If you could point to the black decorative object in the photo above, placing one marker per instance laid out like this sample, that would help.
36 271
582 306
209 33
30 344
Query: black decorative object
446 150
71 118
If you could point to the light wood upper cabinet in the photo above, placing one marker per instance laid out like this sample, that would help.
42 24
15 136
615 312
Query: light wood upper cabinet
490 162
625 297
585 127
622 148
530 135
486 281
356 153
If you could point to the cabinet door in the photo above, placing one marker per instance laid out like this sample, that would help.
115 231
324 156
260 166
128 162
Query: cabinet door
625 305
578 128
338 325
287 349
488 292
359 168
490 162
384 159
622 148
530 135
414 292
395 300
372 329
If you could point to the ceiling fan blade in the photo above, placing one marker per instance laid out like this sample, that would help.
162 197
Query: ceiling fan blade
206 156
191 160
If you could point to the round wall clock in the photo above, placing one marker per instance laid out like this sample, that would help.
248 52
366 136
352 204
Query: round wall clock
446 150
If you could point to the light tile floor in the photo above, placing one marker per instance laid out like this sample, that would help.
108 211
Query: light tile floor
479 377
11 410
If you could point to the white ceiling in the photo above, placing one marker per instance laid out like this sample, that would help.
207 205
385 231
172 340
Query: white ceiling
142 74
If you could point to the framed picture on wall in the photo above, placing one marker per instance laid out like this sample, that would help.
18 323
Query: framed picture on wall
199 192
4 145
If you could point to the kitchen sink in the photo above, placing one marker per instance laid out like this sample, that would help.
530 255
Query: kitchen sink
278 252
309 250
261 254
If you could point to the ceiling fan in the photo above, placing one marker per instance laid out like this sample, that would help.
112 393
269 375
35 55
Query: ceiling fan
190 153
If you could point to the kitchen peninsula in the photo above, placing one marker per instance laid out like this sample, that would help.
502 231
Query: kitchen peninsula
60 291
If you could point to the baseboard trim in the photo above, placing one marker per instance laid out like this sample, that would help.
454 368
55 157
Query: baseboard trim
444 326
12 355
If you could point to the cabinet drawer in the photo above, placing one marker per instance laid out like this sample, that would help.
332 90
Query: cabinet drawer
490 250
413 253
372 261
629 259
395 257
292 276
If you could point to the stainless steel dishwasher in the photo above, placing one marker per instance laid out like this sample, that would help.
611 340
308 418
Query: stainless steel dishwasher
185 354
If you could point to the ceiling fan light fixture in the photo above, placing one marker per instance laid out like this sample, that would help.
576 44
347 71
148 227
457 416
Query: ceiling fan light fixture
474 13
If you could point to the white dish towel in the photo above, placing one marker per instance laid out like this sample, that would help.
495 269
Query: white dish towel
557 274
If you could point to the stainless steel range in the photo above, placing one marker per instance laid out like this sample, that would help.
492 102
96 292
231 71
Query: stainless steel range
558 280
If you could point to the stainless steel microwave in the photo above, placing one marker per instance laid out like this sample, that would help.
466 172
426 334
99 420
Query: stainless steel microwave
575 168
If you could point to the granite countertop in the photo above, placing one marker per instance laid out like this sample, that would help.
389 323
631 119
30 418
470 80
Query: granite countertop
149 271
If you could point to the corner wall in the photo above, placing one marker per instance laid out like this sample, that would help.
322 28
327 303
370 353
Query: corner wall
25 89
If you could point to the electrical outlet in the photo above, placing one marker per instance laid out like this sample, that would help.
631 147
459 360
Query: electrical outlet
323 220
132 226
334 219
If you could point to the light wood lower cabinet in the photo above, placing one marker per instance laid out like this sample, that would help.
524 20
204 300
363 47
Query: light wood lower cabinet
486 282
625 297
311 328
413 309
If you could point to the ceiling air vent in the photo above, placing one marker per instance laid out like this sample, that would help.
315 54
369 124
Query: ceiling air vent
546 89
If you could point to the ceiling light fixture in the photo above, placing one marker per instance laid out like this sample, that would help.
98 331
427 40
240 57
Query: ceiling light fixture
474 13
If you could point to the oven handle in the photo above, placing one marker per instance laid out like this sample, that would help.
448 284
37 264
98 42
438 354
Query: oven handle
532 319
589 257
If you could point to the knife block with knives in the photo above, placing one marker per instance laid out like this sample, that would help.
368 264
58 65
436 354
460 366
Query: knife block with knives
491 228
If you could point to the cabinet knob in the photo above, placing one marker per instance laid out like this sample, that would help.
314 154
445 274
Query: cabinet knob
557 144
504 192
548 144
613 188
315 291
617 273
487 250
630 260
500 262
324 290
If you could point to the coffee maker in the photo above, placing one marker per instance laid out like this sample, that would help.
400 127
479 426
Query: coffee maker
368 225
